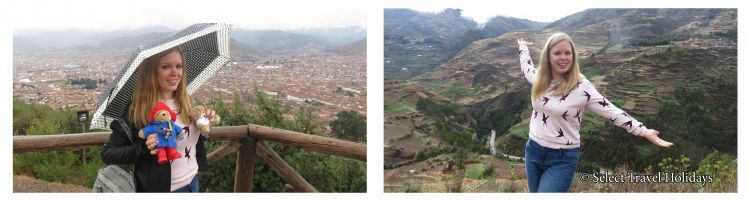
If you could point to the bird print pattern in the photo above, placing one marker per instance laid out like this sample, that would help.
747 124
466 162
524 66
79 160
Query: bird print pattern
554 129
187 153
186 167
564 97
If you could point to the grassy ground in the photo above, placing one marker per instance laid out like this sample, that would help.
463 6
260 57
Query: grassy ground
641 87
474 171
400 108
452 91
521 131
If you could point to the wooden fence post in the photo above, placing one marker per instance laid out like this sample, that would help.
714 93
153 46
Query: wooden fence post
243 173
283 169
225 150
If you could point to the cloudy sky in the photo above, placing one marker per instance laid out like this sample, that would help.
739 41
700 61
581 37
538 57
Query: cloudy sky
481 11
482 14
39 15
540 10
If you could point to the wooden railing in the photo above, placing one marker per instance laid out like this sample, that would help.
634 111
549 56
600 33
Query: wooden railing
248 141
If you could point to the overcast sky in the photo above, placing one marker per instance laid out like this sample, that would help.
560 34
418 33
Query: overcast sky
541 10
482 14
40 15
481 11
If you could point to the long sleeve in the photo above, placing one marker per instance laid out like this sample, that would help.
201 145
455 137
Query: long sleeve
201 154
177 128
119 150
604 108
527 65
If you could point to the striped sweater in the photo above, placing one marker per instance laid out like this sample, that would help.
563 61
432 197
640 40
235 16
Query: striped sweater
556 120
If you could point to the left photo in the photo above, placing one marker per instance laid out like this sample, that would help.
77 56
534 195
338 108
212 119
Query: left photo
232 100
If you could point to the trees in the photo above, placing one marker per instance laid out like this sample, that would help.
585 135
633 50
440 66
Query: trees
444 115
59 166
463 144
35 119
326 173
723 168
86 82
350 125
305 121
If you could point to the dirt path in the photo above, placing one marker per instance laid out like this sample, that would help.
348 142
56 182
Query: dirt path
25 184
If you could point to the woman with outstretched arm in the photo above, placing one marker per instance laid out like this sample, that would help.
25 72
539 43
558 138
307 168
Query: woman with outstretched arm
559 96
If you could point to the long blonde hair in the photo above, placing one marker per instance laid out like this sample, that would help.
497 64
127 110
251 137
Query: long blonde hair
146 93
544 73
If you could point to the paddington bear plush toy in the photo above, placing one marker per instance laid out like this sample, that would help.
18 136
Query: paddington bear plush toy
161 123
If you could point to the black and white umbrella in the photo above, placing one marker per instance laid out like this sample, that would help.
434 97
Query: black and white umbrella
205 47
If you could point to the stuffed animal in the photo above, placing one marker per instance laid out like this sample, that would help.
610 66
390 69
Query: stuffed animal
161 123
199 114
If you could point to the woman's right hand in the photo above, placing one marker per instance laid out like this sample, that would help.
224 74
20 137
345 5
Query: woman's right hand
522 42
151 142
651 135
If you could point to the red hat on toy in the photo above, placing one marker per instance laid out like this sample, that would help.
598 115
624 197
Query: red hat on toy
161 106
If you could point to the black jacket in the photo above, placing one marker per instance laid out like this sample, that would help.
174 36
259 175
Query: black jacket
149 175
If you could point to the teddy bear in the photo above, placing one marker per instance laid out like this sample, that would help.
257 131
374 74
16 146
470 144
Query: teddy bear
161 122
199 114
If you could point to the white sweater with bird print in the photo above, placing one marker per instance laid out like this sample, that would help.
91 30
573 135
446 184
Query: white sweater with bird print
556 120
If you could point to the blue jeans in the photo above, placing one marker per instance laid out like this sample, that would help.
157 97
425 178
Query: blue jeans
190 188
550 170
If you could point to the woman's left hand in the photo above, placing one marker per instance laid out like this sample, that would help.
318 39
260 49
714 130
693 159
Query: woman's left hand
522 42
210 114
651 135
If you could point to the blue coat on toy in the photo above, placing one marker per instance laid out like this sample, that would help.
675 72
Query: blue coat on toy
162 129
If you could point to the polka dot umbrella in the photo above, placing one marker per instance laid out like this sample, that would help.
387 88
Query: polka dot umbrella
205 47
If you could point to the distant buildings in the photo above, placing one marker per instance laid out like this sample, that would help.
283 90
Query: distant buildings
268 67
349 90
40 77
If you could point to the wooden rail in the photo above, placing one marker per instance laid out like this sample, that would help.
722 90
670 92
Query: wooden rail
247 141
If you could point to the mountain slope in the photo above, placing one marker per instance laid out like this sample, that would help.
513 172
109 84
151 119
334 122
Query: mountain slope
418 42
499 25
358 47
73 38
278 42
640 59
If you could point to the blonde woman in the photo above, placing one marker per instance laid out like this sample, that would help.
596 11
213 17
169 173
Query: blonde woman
559 96
161 80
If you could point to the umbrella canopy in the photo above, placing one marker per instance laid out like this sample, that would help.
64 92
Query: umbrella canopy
205 47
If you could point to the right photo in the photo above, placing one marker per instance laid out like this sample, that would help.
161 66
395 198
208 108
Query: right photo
595 100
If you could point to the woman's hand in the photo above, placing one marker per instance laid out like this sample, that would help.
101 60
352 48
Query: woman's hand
651 135
210 114
522 42
151 142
